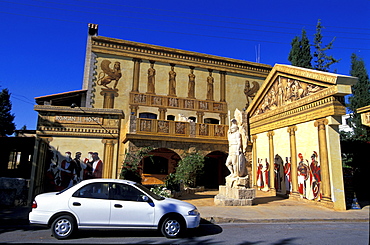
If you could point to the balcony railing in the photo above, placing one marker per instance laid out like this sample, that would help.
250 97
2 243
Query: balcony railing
176 128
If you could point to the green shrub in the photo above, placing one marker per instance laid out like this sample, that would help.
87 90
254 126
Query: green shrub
189 168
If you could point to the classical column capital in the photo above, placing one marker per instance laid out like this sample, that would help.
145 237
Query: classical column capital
291 130
254 138
270 134
320 123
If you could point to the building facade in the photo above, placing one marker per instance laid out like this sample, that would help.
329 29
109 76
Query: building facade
136 95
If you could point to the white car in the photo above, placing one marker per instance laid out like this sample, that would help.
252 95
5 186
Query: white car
111 204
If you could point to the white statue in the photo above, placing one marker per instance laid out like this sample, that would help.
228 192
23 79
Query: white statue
235 162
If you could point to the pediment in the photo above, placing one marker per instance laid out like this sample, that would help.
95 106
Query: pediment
288 85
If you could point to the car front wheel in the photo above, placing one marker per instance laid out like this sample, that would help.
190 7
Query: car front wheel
173 227
63 227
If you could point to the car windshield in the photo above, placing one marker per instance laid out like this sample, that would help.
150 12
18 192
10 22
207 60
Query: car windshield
147 191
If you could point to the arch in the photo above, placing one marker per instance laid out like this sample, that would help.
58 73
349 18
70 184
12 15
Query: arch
160 163
215 170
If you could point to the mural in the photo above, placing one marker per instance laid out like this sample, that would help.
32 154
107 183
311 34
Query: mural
263 175
69 171
309 176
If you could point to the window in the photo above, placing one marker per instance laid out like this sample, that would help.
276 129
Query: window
126 193
148 115
194 119
171 118
95 190
211 121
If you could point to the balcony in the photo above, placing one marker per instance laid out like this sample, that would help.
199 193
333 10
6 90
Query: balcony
154 129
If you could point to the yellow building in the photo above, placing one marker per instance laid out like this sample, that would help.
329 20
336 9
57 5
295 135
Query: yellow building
136 95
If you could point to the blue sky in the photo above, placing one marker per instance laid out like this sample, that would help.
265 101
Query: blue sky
42 42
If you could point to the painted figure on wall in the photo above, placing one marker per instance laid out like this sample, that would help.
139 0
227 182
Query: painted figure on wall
151 79
279 174
316 181
288 179
109 75
259 177
94 166
302 175
210 81
235 161
266 175
305 178
53 179
68 170
172 82
79 167
191 86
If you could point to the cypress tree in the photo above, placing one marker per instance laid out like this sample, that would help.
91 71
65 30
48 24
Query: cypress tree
300 53
321 59
360 97
7 125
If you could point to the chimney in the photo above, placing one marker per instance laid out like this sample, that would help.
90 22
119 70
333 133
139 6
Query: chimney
93 29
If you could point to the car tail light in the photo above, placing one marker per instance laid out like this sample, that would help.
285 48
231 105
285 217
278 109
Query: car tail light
34 204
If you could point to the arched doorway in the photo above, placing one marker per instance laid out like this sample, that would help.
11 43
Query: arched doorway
215 170
162 162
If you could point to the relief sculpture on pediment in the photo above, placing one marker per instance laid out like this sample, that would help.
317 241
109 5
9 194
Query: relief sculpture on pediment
285 91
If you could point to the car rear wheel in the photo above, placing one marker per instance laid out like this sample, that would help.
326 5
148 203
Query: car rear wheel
63 227
173 227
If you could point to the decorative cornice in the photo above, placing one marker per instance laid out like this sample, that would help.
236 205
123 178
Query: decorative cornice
66 109
177 56
287 117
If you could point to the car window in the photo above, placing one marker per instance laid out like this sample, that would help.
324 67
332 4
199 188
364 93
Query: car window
125 192
94 190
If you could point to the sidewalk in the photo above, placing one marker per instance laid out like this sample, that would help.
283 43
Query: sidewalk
265 209
268 208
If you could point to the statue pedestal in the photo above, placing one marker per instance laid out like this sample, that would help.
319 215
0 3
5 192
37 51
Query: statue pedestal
235 192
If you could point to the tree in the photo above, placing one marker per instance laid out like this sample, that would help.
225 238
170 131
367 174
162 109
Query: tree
321 59
7 125
300 54
131 167
189 168
360 97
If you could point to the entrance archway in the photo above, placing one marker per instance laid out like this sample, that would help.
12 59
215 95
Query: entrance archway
215 170
157 167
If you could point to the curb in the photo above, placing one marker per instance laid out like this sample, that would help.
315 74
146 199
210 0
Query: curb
222 220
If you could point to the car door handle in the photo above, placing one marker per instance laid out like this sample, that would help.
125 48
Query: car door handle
117 205
76 204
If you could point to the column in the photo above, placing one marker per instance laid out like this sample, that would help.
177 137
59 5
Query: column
200 116
162 113
108 158
271 134
293 159
324 159
134 109
223 118
136 75
109 95
254 161
222 86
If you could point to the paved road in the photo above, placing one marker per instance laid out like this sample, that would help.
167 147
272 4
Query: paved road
226 233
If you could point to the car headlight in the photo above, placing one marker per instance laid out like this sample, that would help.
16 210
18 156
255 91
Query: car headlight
193 212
